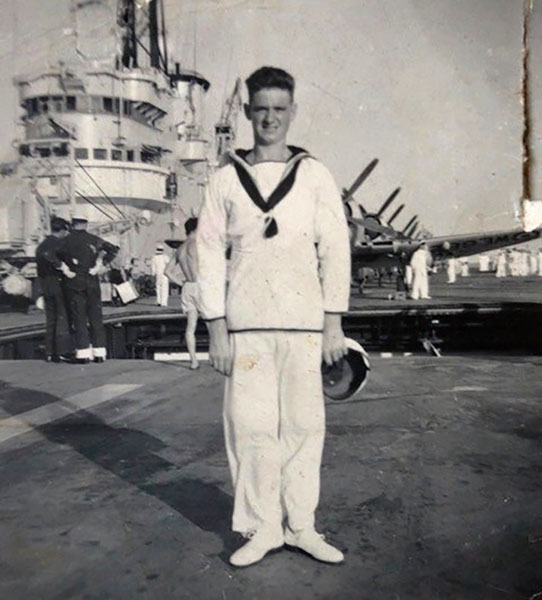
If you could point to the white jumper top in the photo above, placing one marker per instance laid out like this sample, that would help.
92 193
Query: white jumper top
158 264
419 261
283 282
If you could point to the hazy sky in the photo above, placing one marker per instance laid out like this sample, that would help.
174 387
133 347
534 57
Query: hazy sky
430 87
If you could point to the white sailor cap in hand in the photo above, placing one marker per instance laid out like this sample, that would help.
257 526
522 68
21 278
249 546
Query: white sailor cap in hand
346 377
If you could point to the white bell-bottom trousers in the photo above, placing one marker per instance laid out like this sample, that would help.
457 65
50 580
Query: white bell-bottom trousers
162 290
420 285
274 425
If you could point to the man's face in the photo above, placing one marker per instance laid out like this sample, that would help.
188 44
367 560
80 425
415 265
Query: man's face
270 111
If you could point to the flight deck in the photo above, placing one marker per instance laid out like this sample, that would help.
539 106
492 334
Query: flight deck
115 483
476 313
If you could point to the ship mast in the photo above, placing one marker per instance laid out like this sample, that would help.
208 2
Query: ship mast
127 22
155 47
226 128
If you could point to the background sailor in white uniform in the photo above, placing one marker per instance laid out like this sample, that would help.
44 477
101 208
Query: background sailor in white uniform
451 269
420 263
501 264
158 267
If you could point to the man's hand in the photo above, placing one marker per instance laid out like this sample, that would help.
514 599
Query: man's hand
219 346
333 342
66 271
98 268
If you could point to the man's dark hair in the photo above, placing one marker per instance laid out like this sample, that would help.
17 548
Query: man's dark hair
191 225
270 77
59 224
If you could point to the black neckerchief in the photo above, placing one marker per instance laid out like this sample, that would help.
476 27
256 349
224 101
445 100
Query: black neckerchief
279 193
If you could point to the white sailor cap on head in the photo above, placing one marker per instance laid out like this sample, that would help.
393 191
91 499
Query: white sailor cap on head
79 217
160 248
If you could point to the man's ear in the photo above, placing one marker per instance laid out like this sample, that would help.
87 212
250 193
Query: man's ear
246 106
294 110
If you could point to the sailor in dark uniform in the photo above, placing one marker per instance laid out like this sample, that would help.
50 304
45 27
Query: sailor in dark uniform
58 339
84 254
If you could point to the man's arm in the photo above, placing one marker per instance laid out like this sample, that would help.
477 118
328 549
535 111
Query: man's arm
107 250
53 255
333 247
211 253
99 266
49 255
105 253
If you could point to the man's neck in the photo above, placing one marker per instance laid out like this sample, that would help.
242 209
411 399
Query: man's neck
276 153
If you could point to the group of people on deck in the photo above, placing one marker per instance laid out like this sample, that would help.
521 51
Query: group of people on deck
69 261
273 312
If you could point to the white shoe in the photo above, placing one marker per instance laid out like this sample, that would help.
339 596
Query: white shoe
257 547
314 544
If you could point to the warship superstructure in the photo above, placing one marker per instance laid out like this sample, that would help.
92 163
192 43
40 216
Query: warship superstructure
115 134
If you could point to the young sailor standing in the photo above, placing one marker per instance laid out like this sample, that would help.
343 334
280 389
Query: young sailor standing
289 282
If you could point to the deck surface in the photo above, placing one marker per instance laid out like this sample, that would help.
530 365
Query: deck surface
480 289
114 485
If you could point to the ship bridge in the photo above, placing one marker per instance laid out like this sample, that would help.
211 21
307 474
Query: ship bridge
104 129
119 134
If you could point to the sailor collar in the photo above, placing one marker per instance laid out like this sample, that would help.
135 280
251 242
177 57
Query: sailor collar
279 193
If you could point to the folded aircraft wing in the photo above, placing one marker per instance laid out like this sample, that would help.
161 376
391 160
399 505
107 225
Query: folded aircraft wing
469 244
381 253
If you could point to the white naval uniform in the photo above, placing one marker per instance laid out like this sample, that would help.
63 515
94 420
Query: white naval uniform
451 269
483 261
514 263
278 292
526 263
420 276
408 275
501 265
158 267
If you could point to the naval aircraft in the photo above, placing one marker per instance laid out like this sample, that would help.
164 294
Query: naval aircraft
376 244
